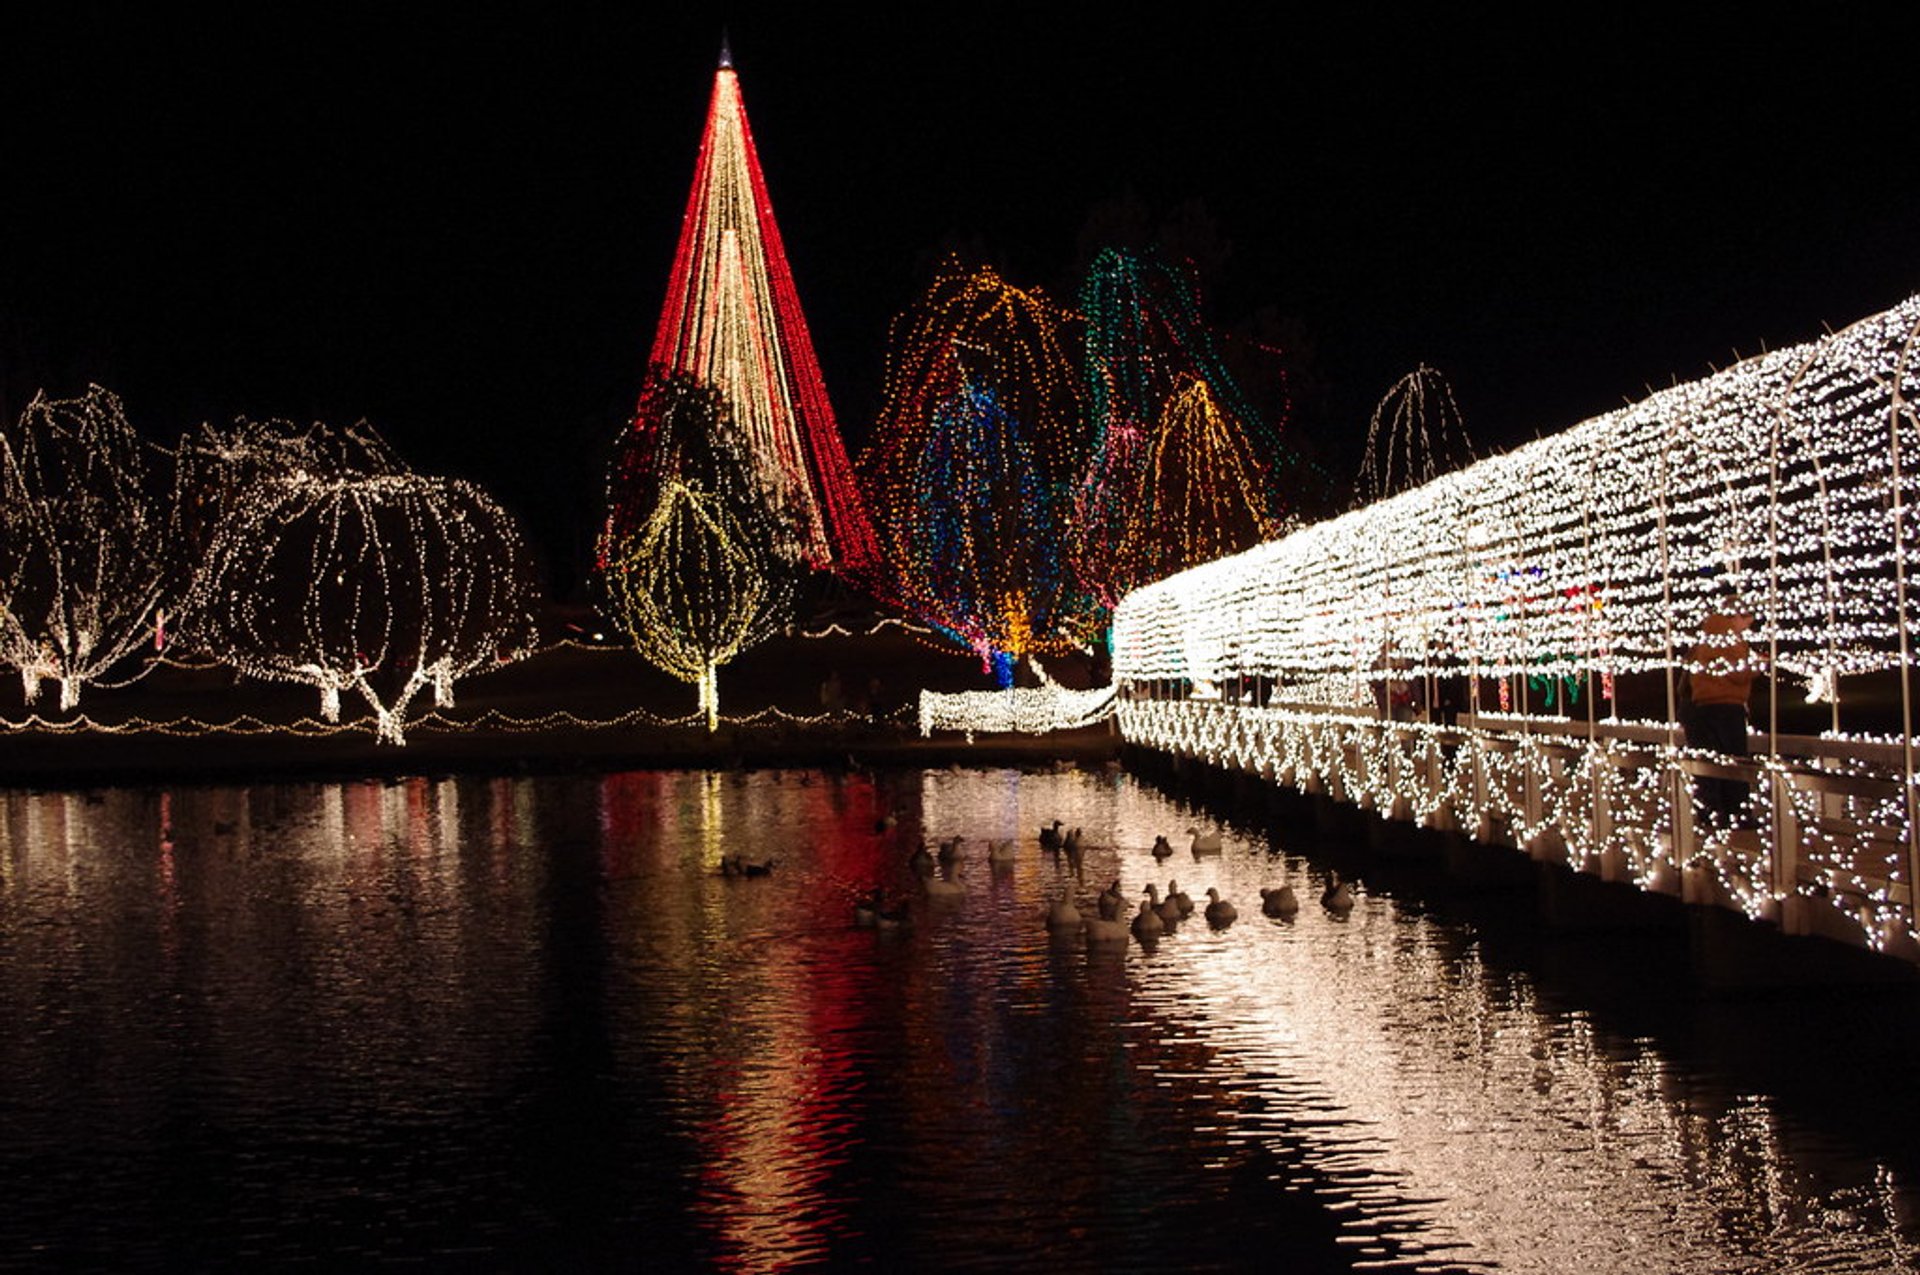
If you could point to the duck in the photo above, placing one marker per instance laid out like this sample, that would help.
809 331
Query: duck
1204 842
1104 930
866 909
894 918
1162 848
1000 851
764 869
1063 917
1338 896
885 822
1147 924
945 887
949 851
1279 902
1050 837
1112 902
1220 913
920 861
1179 898
1168 911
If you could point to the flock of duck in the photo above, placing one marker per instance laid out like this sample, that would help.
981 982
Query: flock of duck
937 870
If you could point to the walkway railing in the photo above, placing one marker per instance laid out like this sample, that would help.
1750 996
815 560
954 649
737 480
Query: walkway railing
1817 848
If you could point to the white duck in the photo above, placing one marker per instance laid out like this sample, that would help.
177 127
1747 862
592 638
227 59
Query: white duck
1101 931
1000 851
1204 842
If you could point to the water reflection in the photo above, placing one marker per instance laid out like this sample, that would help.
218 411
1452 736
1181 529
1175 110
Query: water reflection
530 1022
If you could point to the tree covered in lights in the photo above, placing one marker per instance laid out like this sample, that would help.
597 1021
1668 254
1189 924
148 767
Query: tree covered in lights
328 562
689 556
971 465
1182 466
1416 434
84 533
732 320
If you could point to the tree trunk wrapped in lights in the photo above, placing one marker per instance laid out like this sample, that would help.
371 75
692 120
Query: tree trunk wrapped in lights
330 563
84 557
690 556
968 470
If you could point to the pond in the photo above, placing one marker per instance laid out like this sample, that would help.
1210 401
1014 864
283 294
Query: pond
512 1023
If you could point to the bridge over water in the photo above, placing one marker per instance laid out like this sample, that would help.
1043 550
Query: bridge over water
1506 651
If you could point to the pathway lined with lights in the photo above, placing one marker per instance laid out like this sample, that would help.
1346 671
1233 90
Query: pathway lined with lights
1513 597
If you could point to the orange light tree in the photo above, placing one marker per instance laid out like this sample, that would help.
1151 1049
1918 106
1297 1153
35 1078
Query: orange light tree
970 469
1182 466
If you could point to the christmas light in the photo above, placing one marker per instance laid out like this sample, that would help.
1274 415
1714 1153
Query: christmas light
86 559
969 468
695 579
1416 434
1019 709
1785 481
1146 347
732 320
328 562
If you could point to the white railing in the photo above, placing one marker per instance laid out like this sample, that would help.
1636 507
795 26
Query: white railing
1819 846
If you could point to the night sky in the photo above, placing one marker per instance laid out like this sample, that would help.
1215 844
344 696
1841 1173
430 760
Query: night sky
459 227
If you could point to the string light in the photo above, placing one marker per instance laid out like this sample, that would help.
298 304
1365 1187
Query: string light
86 563
732 319
1018 709
1146 347
976 444
695 580
1785 481
1416 434
329 563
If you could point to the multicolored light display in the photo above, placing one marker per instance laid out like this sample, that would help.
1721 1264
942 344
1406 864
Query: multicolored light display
732 319
1179 472
1782 487
86 561
969 469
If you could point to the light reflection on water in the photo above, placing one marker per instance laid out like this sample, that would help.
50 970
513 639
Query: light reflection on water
514 1022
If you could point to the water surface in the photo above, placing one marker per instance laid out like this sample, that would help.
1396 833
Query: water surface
527 1023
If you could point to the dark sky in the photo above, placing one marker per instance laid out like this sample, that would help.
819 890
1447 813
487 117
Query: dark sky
459 227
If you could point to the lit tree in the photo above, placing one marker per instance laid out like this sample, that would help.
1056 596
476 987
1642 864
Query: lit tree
83 554
733 321
328 562
1199 493
689 555
970 464
1415 435
1152 365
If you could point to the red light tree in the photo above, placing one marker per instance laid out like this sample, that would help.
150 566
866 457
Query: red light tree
732 320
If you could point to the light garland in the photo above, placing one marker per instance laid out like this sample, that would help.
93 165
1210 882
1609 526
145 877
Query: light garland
1590 554
87 559
1015 709
328 562
732 319
1416 434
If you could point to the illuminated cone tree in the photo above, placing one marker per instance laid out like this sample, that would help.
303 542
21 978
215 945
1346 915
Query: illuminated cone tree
732 320
687 556
84 562
970 464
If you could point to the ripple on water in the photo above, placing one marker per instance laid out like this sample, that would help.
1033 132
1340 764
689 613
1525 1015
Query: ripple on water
528 1021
